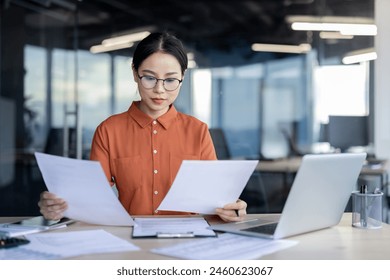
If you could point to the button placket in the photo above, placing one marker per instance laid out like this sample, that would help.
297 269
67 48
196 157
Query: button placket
155 162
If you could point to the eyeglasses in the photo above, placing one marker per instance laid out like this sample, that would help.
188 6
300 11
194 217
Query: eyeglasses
150 82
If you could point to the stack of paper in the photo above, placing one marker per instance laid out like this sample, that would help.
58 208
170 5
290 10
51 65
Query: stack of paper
226 247
58 245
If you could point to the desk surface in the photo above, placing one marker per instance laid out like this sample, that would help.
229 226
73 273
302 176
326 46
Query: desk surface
336 243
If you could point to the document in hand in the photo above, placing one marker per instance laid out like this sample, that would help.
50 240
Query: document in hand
84 186
201 186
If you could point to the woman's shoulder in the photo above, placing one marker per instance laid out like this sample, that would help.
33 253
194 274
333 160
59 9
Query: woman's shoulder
191 122
114 120
190 119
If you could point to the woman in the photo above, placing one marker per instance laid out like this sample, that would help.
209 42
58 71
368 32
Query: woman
141 150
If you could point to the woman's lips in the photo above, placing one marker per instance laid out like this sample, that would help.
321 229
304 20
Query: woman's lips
157 100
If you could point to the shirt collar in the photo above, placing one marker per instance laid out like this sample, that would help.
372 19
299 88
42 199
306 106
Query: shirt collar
144 120
168 118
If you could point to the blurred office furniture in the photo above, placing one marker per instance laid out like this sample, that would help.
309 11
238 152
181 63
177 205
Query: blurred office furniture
55 144
254 193
7 141
345 132
290 137
290 132
324 133
220 143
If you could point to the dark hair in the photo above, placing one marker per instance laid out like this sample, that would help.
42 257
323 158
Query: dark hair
163 42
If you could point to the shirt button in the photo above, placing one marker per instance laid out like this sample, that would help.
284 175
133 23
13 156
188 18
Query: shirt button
155 192
154 151
156 211
155 171
154 131
154 122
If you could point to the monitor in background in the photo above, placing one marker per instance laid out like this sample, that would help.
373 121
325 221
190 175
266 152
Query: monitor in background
348 131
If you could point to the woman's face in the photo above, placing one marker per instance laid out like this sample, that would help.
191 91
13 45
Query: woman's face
156 101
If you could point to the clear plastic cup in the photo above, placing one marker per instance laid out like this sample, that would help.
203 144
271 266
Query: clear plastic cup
367 210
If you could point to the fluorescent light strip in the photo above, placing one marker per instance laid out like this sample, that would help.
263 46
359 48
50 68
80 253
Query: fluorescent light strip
302 48
343 28
192 64
119 42
109 48
129 38
330 19
360 56
334 35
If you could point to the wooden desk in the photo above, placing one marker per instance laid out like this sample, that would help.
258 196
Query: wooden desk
342 242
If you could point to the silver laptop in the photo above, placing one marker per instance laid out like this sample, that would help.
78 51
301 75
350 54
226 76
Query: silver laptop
317 199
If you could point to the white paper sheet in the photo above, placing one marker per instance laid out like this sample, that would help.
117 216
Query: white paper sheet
226 247
201 186
174 227
68 244
84 186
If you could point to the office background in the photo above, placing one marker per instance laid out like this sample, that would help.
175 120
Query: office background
268 105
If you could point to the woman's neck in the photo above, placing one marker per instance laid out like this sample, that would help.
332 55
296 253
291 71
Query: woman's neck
154 114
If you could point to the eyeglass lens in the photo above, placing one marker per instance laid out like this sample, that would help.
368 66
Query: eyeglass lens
169 84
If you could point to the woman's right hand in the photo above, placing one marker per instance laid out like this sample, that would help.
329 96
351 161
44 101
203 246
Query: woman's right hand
51 206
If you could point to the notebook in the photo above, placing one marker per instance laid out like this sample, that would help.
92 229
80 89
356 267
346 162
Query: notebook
317 198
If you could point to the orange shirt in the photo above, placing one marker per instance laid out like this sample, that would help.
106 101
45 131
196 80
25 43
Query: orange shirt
142 155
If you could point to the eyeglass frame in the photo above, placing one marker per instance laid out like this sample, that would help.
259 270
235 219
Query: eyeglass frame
163 80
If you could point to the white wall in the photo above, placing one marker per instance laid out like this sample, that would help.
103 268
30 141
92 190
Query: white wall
382 81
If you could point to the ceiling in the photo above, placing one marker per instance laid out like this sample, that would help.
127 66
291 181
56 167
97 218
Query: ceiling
219 32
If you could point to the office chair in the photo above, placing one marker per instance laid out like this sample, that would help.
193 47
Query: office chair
254 192
220 143
292 146
55 142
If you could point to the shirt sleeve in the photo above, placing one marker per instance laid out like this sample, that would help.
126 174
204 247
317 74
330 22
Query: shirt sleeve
208 149
100 152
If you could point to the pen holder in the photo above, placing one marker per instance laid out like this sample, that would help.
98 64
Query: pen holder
367 210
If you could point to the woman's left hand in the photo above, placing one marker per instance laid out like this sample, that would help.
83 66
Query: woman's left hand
232 212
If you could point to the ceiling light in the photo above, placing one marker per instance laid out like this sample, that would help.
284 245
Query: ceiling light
109 48
128 38
334 35
302 48
192 64
330 19
190 56
119 42
360 56
343 28
344 25
191 60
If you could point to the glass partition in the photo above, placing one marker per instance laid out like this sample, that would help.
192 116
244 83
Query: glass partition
46 79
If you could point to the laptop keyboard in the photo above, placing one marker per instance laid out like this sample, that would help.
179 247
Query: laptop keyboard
266 229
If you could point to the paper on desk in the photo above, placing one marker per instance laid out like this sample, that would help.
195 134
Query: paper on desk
84 186
201 186
68 244
226 247
151 227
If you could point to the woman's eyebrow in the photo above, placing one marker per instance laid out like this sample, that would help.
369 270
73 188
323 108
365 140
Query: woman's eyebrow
153 73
